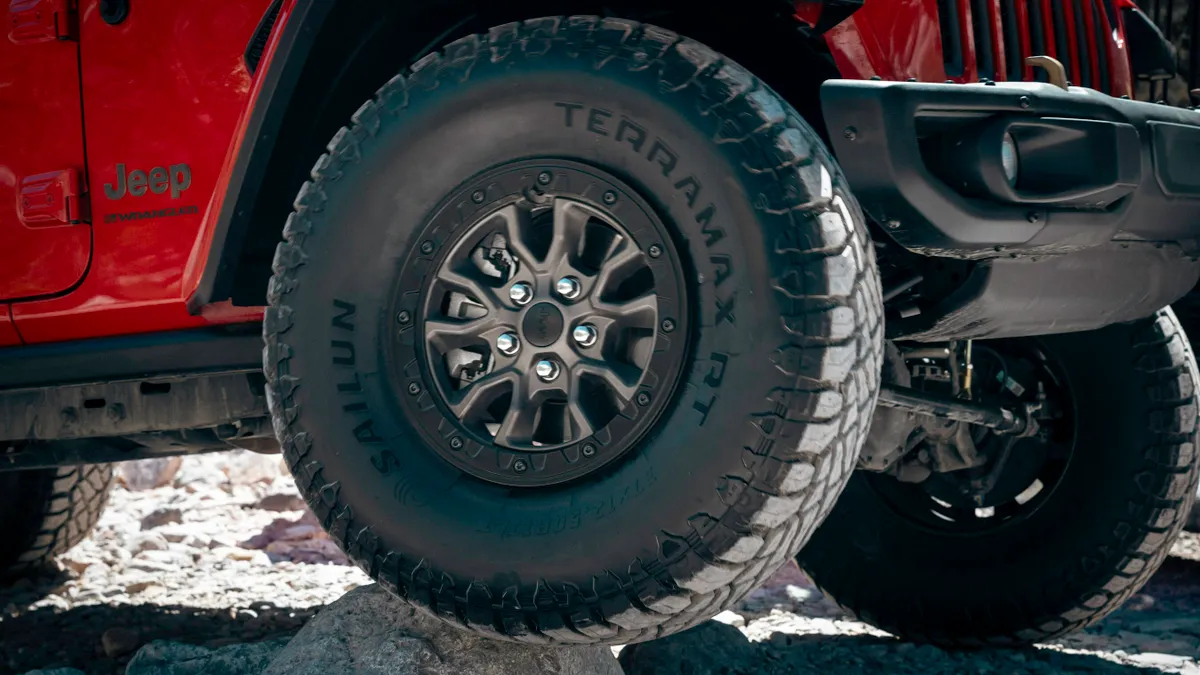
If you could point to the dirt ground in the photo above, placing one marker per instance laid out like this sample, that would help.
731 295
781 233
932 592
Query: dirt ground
225 553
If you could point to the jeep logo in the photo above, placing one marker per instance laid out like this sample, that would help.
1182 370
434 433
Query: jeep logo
176 179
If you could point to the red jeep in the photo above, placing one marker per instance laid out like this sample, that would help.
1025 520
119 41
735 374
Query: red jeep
577 330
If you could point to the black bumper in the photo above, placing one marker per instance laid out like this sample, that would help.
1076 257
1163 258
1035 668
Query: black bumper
1104 227
1124 168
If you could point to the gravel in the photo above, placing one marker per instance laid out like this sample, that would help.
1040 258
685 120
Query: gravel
225 553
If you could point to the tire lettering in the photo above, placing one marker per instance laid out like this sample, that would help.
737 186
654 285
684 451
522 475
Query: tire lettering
347 359
343 320
569 111
668 159
636 136
385 462
704 408
725 310
714 378
596 118
724 268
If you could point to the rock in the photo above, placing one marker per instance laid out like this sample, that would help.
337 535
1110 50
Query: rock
140 586
148 541
160 517
119 641
281 501
712 648
56 671
246 468
731 618
174 658
369 632
147 474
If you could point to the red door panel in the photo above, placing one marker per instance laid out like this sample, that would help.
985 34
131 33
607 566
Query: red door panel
163 91
44 238
8 332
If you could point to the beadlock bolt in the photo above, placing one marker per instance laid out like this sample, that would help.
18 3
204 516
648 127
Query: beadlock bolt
456 443
520 466
403 317
668 325
427 247
544 178
588 449
655 251
414 388
610 198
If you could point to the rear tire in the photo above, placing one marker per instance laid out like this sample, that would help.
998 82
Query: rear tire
1095 540
778 333
46 512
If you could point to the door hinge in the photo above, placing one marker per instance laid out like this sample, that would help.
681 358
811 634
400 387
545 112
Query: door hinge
42 20
51 198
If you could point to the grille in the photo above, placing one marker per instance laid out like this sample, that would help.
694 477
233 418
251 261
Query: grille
1006 32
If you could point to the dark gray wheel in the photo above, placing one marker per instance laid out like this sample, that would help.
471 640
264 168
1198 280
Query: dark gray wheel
46 512
566 346
542 325
1022 539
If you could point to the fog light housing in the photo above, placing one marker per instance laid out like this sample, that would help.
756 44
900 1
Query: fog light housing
1010 159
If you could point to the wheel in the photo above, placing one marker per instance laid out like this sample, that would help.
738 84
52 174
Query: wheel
1037 536
574 334
1188 311
45 512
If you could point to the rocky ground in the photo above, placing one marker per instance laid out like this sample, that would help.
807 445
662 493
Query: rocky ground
224 553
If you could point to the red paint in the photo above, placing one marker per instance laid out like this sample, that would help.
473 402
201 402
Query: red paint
895 40
8 332
901 39
42 132
166 86
809 13
199 254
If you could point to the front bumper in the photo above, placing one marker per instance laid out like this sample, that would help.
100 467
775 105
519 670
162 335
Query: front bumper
1102 225
1105 168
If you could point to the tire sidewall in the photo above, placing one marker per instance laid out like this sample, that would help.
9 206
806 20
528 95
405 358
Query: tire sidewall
693 463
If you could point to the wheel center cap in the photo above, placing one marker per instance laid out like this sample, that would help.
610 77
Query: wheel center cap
543 324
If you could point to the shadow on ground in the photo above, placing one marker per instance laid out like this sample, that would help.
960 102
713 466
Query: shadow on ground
1157 631
48 636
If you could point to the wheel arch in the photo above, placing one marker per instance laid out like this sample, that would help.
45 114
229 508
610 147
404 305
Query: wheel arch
333 56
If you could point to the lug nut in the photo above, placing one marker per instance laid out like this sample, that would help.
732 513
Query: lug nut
546 370
568 287
508 344
521 293
585 335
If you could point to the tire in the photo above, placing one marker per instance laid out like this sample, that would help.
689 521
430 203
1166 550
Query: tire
760 432
1094 541
46 512
1188 311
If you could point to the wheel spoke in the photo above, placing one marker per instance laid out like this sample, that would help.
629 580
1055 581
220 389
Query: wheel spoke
621 379
477 289
640 312
517 426
517 224
569 222
482 392
450 334
581 426
621 260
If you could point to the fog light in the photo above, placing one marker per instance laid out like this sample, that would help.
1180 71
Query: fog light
1010 160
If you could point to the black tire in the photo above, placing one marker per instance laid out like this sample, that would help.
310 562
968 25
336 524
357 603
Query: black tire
45 512
1096 540
1188 311
757 441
